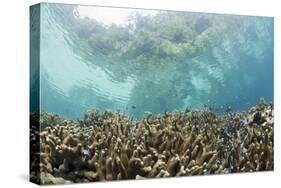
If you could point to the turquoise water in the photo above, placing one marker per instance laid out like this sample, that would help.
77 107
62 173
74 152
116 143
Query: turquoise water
234 67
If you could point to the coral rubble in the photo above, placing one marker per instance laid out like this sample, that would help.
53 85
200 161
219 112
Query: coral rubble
112 146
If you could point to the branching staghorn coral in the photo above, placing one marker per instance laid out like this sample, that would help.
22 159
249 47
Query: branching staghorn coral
111 146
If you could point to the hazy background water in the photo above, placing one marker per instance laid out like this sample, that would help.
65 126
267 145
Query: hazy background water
237 70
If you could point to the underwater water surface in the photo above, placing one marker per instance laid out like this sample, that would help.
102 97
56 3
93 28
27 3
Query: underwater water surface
154 62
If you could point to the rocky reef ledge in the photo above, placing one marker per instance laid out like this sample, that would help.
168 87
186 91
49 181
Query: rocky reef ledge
109 146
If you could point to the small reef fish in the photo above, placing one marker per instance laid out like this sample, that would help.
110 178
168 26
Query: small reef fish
229 109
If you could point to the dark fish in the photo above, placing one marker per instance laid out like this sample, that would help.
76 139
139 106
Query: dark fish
229 109
134 107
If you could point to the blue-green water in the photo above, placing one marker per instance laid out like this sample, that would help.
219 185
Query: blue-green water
190 60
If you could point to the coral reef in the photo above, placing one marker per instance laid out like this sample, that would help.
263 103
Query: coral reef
112 146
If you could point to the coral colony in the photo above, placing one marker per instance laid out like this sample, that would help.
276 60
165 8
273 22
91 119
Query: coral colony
109 146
